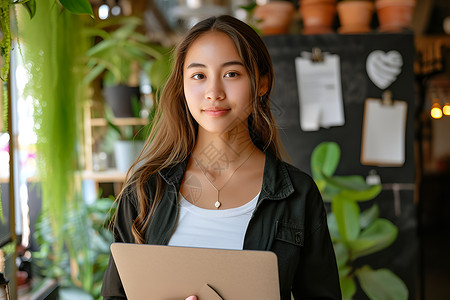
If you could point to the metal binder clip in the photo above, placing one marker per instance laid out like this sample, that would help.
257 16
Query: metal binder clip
373 178
317 55
387 97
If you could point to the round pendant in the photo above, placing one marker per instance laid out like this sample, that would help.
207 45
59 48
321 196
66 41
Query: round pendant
217 204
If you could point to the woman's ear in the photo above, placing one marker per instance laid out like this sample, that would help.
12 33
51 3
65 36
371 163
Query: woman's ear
263 86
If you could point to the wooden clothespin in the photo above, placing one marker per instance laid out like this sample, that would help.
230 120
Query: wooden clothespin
387 98
317 55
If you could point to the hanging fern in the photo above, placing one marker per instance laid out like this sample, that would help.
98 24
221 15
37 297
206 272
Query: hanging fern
5 43
5 51
51 44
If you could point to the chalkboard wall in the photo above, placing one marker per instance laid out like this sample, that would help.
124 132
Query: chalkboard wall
397 206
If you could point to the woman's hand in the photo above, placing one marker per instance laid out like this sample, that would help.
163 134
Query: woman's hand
191 298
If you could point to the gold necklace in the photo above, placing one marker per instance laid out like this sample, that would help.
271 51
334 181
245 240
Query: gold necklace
218 204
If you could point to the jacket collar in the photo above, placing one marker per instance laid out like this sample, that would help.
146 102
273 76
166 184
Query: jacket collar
276 184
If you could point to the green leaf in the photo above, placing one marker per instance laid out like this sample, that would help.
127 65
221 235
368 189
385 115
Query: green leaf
102 47
94 32
18 1
101 205
325 159
368 216
135 107
348 287
379 235
351 182
30 7
341 253
361 195
145 49
333 226
381 284
78 7
93 73
329 191
112 125
160 71
344 271
347 217
250 7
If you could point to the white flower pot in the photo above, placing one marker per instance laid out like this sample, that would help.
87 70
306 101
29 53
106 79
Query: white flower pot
125 153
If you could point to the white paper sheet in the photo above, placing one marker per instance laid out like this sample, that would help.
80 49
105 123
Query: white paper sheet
383 140
320 92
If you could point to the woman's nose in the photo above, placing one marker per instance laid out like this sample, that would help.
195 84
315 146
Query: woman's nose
214 90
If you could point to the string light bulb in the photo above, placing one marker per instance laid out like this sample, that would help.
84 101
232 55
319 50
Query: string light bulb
116 10
103 11
436 111
446 109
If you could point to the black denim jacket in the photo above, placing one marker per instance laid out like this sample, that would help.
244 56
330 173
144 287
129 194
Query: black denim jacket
289 220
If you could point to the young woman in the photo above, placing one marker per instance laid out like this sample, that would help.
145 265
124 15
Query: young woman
212 175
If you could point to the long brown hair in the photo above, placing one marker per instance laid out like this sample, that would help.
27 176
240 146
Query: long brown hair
173 135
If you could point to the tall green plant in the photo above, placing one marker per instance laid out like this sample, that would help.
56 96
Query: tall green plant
355 233
52 45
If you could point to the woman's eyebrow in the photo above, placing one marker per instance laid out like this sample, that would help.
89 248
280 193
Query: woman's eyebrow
231 63
226 64
195 65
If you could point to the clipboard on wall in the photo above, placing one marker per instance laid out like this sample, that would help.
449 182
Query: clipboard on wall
318 78
383 134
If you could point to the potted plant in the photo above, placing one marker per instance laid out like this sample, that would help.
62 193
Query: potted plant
127 141
317 15
394 15
81 271
355 16
355 233
119 57
274 17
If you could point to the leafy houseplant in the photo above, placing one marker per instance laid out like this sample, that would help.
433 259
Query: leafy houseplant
127 141
119 55
355 233
90 239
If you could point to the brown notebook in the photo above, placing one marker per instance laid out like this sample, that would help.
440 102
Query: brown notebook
174 273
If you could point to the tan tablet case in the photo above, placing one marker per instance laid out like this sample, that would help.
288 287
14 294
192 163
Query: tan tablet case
174 273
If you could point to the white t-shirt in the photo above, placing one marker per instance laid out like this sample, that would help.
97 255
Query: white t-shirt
207 228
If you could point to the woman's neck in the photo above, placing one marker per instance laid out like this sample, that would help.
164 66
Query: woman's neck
220 153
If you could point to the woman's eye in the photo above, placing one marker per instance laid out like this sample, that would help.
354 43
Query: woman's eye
232 74
198 76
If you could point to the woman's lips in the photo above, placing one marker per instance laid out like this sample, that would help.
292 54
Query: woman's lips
216 111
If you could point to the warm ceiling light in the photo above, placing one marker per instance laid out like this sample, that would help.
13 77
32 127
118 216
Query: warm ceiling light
436 112
446 109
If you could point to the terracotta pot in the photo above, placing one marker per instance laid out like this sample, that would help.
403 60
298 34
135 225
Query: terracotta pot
394 15
355 16
317 15
275 17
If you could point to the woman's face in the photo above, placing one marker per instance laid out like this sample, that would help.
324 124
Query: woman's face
216 84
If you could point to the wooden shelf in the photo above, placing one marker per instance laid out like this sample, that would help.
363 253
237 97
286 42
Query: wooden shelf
104 176
119 121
